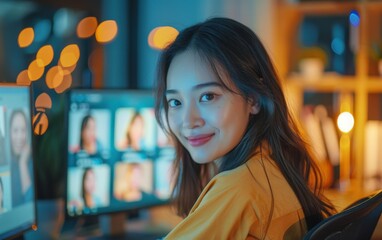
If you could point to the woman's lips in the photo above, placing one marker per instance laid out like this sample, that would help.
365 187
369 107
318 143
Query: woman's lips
199 140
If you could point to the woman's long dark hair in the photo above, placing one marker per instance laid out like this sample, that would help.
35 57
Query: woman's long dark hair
83 188
234 50
84 123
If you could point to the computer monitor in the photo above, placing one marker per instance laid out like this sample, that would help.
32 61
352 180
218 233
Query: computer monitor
118 158
17 191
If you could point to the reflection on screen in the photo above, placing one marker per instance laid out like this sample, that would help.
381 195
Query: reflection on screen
17 200
118 158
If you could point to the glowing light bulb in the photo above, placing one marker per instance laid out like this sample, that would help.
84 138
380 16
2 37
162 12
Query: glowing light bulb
345 122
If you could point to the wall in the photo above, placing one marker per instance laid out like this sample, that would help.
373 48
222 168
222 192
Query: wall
257 14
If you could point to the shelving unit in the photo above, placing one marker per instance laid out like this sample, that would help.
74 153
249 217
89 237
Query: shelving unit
365 80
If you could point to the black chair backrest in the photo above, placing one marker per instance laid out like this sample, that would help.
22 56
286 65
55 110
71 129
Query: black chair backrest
358 221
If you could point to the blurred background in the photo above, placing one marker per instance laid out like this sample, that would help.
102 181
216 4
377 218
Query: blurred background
328 55
97 44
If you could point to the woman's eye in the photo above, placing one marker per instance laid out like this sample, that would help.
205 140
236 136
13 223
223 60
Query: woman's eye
207 97
173 103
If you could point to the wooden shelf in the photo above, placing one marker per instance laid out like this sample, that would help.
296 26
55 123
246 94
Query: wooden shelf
359 86
326 83
323 7
374 85
320 8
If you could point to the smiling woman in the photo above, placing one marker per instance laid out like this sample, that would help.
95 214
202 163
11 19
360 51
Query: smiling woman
208 119
239 153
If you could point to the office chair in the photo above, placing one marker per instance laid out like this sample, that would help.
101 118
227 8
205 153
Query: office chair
357 221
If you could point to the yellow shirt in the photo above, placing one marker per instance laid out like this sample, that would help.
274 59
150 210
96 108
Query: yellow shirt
237 204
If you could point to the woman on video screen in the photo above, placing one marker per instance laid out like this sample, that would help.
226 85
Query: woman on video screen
21 162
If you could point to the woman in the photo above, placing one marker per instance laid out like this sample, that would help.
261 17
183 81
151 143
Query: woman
22 174
242 168
2 149
88 138
1 196
135 133
128 182
88 189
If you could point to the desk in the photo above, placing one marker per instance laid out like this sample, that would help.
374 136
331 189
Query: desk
153 223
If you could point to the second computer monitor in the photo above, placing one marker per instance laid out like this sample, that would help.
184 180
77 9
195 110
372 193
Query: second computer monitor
17 191
118 157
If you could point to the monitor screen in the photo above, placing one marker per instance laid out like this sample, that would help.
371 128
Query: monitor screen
118 157
17 198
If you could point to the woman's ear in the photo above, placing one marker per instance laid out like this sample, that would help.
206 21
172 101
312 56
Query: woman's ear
255 108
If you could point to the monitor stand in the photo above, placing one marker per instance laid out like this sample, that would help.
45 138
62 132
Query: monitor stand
116 226
113 224
138 227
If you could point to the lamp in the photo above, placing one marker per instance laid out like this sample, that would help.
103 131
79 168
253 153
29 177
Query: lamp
345 123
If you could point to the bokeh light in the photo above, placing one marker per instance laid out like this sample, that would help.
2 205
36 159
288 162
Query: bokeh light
65 84
35 70
87 27
43 101
23 78
45 55
106 31
67 70
40 123
42 30
69 55
354 18
345 122
25 37
161 37
54 77
338 46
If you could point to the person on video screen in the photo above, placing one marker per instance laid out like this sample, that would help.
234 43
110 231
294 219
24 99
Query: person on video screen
135 133
21 162
88 189
1 196
132 187
2 149
88 137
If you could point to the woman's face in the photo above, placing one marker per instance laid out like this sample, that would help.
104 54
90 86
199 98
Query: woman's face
207 119
137 129
89 182
89 132
136 176
18 133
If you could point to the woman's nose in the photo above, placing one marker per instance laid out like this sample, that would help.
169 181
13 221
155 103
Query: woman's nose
192 117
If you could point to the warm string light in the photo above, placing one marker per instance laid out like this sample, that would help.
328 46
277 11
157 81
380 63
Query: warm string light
26 37
59 76
160 37
345 122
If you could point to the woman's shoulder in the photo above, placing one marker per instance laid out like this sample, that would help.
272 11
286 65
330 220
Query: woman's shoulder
232 187
236 178
238 172
252 173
